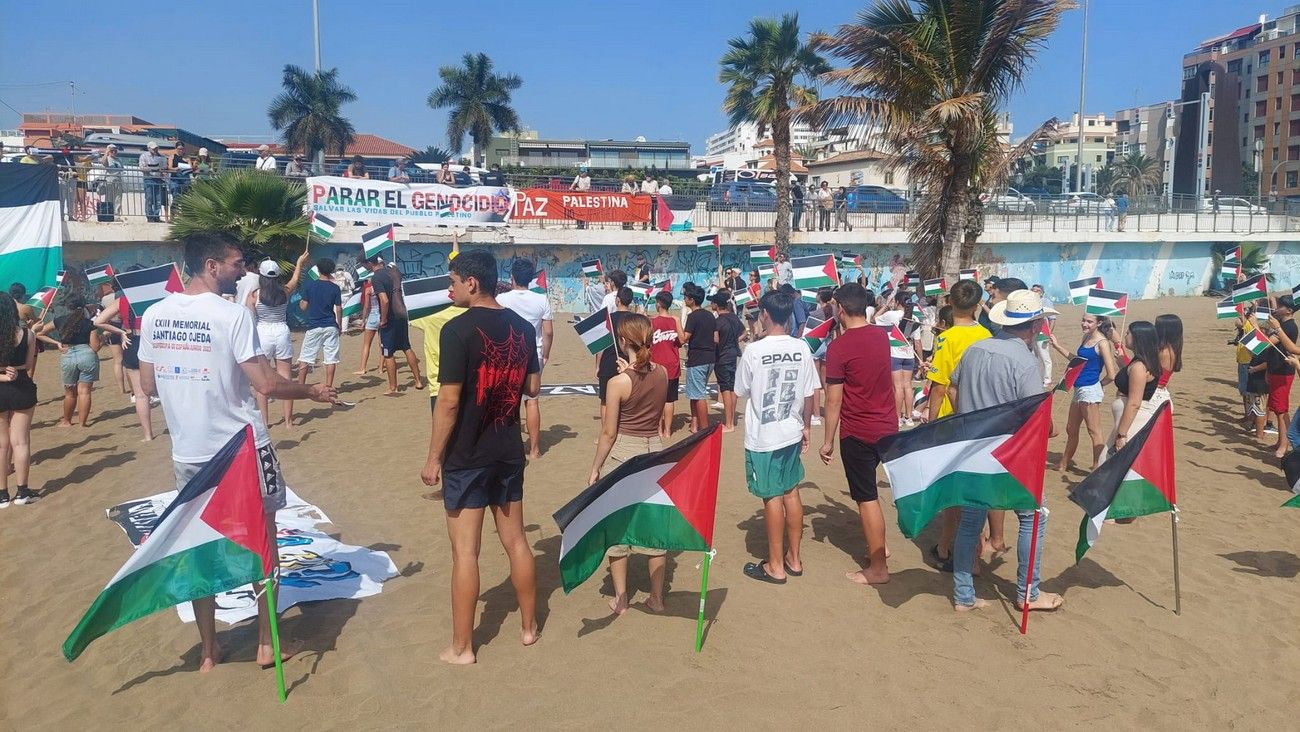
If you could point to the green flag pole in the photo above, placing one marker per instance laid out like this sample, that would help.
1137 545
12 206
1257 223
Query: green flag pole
1178 593
704 592
272 612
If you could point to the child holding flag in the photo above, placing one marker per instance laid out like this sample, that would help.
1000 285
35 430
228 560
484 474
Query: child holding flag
776 377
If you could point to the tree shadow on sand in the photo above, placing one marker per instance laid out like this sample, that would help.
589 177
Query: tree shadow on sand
1280 564
86 473
61 451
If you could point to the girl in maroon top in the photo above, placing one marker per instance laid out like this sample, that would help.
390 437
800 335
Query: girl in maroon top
666 350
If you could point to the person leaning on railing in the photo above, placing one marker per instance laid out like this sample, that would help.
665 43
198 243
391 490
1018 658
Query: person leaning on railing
106 182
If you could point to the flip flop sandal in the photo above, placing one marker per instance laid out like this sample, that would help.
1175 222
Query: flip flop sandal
757 571
791 572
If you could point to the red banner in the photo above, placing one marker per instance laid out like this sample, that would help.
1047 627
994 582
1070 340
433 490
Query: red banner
539 203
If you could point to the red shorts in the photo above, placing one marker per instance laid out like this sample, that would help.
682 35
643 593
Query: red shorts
1279 393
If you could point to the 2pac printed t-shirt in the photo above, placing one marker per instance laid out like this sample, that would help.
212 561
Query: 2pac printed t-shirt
195 344
489 352
776 374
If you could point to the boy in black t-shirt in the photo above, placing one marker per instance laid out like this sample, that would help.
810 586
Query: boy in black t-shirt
488 361
701 354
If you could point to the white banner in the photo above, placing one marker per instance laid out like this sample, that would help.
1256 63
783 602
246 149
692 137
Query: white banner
313 565
382 202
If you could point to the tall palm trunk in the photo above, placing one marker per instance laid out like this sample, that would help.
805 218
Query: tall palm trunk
781 151
956 192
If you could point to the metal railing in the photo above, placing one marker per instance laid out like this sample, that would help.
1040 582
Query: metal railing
131 195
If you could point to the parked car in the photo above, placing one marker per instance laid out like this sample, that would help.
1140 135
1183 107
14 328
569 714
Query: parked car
744 195
875 199
1232 207
1012 200
1077 204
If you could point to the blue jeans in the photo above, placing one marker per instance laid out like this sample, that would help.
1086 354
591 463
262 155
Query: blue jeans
967 543
1293 430
796 213
153 197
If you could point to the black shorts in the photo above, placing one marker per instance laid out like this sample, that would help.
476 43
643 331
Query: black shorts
860 462
494 485
131 354
674 389
433 402
394 337
726 373
602 383
114 339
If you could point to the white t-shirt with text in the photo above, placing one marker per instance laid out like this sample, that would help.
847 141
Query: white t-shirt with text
531 306
194 344
776 374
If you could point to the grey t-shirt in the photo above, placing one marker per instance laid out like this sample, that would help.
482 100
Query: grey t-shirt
995 371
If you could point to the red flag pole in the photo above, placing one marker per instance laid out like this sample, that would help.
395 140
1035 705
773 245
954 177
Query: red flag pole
1029 575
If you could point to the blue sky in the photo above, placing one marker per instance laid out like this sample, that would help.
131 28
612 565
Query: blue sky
590 69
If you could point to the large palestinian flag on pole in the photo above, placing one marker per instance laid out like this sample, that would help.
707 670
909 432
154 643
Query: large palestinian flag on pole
991 458
211 539
144 287
1138 480
426 296
31 225
660 500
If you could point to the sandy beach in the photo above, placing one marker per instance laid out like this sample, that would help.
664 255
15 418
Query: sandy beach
817 652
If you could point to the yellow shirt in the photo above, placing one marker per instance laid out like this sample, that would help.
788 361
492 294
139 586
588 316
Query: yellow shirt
948 349
432 327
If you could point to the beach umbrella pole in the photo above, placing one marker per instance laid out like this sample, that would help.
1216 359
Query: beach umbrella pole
272 611
1178 593
704 592
1029 576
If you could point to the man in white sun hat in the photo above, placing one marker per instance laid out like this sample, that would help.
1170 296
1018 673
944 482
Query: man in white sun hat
995 371
265 160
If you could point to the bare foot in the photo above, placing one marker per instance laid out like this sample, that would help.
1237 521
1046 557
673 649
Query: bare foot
63 423
456 659
530 636
655 604
1045 601
868 576
390 392
1062 466
725 428
207 663
1279 454
266 659
618 604
534 454
361 373
979 605
147 439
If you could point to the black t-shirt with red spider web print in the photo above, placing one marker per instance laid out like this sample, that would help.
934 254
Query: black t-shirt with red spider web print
489 352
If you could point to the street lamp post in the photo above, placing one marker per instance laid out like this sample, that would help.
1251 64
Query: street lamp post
315 30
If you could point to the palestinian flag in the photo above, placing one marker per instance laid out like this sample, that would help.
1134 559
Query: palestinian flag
660 500
1231 266
935 287
912 279
761 255
808 296
58 277
426 296
144 287
1106 302
592 268
376 241
322 226
1079 289
642 290
101 275
596 331
313 273
664 285
766 271
352 307
31 226
896 338
211 539
968 274
815 271
41 299
1072 371
742 298
1263 313
1255 342
1044 333
1255 288
816 331
920 395
538 284
1225 308
991 458
1138 480
362 274
849 259
708 241
674 219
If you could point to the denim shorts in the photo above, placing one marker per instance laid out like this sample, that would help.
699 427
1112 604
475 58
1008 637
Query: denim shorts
901 364
1090 394
79 365
697 381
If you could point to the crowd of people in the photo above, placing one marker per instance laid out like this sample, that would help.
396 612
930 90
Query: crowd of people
856 381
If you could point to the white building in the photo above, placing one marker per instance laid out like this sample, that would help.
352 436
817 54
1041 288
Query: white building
741 139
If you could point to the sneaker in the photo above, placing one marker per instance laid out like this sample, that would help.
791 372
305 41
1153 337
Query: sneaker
24 496
4 499
816 421
908 423
1270 430
154 401
717 405
900 422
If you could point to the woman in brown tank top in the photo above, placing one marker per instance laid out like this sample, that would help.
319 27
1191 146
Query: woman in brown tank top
634 401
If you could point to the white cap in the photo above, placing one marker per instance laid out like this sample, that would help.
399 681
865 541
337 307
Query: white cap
262 148
1020 306
268 268
152 145
203 151
111 146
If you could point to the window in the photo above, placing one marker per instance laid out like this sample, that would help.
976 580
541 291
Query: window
1259 132
1281 51
889 177
1279 78
1293 152
1142 148
1263 58
1277 127
1099 158
1295 128
1245 116
1234 67
1295 102
1062 159
1092 123
1189 72
1291 178
1244 143
1261 108
1261 83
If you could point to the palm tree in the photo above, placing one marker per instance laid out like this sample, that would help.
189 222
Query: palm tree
1253 261
479 101
934 74
308 111
263 210
1136 173
432 154
765 73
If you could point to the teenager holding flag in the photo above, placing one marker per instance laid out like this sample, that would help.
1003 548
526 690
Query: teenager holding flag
1135 384
1085 408
269 304
17 402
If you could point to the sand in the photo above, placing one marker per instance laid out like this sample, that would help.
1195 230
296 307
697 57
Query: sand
817 651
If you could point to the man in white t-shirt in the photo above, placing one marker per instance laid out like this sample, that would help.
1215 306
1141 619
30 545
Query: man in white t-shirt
265 160
777 377
536 309
199 352
614 281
